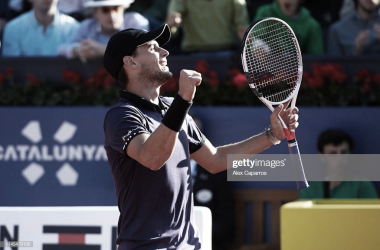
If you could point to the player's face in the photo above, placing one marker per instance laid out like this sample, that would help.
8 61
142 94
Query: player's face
110 18
43 5
153 64
289 7
369 5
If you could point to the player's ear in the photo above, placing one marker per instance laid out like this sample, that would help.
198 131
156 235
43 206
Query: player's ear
129 62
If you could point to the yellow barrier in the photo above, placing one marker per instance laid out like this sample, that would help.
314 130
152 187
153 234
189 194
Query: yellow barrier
330 224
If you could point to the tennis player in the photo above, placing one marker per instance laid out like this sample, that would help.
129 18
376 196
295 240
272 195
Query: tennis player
150 140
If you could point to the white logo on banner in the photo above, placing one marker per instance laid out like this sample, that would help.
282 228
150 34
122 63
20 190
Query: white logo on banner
66 175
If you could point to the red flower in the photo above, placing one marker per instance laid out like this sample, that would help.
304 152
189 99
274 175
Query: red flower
214 79
202 66
9 72
97 81
266 77
367 87
71 76
88 82
376 79
108 81
316 82
339 77
2 78
305 76
33 80
364 75
233 72
171 85
239 81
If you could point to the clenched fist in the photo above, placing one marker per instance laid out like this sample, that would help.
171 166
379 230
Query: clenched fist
188 81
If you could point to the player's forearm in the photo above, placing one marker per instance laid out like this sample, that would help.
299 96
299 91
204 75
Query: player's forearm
157 149
214 160
253 145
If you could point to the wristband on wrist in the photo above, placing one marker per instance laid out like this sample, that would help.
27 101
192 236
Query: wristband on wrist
176 114
271 136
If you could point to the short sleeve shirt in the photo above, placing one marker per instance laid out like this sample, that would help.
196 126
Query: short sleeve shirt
219 21
25 36
155 206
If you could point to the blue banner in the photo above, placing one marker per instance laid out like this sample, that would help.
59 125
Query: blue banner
55 156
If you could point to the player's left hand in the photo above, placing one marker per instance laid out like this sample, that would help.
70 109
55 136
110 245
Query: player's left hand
290 117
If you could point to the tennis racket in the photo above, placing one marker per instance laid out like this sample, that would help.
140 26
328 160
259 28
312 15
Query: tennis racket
272 63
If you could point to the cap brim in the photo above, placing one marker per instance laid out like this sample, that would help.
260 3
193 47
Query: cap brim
161 35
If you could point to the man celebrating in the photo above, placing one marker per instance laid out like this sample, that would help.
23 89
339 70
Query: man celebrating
150 139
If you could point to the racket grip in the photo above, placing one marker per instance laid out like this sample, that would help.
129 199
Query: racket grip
297 164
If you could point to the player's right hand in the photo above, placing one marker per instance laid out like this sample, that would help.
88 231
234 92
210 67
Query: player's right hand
188 81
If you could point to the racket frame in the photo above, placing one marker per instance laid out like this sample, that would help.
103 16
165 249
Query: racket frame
293 95
290 135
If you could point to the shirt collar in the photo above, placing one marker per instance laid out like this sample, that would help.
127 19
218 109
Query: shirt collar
142 102
34 21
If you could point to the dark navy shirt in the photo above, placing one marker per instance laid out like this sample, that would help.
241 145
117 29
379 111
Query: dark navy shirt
156 207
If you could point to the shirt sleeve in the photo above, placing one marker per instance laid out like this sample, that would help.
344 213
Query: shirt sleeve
121 125
261 13
194 134
11 45
79 34
333 47
367 190
177 6
136 21
241 18
314 44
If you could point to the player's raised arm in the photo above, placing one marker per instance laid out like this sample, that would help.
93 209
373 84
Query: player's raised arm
143 148
214 159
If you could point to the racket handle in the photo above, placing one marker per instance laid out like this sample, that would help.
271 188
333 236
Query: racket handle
297 164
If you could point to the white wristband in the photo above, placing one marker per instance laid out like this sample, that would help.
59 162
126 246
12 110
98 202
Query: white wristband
271 136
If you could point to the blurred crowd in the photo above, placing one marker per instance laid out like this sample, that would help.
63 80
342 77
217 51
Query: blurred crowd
82 28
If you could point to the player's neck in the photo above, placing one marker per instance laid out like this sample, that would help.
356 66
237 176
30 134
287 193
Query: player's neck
149 94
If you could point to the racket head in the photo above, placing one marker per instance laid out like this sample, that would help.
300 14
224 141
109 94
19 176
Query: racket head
272 60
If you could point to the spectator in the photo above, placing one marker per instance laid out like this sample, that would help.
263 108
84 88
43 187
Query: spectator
305 27
209 25
334 141
90 40
348 9
213 191
73 8
38 32
358 33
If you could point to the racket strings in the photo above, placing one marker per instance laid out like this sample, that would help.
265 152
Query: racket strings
272 60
